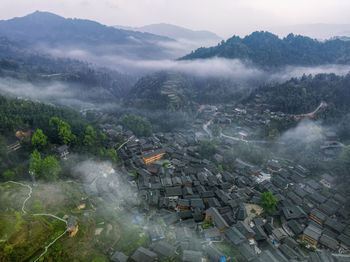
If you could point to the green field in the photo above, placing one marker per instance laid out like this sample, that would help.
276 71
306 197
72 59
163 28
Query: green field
24 236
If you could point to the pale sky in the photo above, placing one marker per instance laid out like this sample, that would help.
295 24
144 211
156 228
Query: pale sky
224 17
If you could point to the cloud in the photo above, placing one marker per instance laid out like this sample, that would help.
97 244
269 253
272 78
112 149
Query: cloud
302 143
211 67
71 95
100 179
305 133
298 71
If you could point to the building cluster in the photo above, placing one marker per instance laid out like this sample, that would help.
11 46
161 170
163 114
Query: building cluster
193 196
202 205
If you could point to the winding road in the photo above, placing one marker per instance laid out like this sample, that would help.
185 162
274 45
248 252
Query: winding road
43 214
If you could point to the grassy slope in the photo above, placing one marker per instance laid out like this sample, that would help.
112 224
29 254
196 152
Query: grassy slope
23 237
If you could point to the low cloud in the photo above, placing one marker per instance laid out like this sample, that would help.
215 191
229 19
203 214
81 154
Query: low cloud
211 67
100 179
298 71
302 143
58 93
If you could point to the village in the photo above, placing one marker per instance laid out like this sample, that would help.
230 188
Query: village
201 212
198 211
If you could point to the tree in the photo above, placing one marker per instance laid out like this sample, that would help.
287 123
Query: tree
112 154
269 202
35 162
39 139
50 168
140 126
9 175
90 136
61 130
47 168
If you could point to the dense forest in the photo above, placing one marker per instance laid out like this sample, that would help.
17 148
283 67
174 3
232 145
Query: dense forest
304 95
269 51
51 127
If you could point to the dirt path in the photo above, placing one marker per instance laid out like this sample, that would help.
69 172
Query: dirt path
311 114
29 194
43 214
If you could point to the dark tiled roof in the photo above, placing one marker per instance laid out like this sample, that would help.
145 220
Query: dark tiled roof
163 249
234 235
144 255
313 231
328 242
119 257
218 220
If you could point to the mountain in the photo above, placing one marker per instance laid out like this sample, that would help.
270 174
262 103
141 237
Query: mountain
343 38
319 31
64 81
49 31
179 33
269 51
303 95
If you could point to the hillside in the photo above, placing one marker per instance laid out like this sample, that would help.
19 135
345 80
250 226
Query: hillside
86 82
179 33
299 96
177 91
268 51
162 90
43 29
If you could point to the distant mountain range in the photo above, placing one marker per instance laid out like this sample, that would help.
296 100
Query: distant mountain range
179 33
269 51
43 30
319 31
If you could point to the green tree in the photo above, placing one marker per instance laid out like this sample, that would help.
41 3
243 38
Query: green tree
50 168
61 130
47 168
90 136
269 202
112 154
140 126
220 168
9 175
39 139
35 162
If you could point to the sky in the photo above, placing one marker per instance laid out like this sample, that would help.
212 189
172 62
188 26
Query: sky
224 17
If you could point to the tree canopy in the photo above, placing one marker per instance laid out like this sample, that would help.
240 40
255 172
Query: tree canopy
39 139
269 51
62 130
140 126
47 168
269 202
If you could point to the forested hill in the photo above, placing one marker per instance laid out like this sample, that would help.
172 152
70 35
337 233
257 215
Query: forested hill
268 50
43 30
19 62
299 96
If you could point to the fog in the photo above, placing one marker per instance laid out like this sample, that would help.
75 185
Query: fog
302 143
211 67
58 93
101 180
